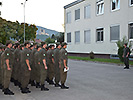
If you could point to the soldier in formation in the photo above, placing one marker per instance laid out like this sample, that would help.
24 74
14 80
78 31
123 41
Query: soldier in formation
25 64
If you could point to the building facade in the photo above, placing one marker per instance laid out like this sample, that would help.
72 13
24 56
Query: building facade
96 25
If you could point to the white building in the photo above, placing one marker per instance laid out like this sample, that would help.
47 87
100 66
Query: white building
96 25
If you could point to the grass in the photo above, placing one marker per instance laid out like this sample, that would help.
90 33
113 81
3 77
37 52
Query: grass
116 61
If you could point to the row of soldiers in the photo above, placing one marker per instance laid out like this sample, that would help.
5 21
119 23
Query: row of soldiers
25 64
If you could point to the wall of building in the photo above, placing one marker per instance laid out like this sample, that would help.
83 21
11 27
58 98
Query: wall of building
121 17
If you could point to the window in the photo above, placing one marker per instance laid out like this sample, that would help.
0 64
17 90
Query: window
100 7
114 32
41 30
99 33
115 5
77 14
130 26
87 38
87 11
68 37
131 2
68 20
77 36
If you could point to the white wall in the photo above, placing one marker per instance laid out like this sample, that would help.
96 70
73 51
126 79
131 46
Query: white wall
121 17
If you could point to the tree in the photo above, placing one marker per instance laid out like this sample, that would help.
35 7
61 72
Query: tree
120 45
15 31
49 40
60 37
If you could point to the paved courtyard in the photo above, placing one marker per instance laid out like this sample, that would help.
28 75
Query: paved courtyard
87 81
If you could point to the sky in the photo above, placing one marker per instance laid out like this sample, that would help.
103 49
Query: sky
45 13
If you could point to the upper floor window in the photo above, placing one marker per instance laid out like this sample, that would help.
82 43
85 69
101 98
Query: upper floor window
115 5
100 7
99 34
77 14
68 17
130 26
87 11
68 37
114 32
131 2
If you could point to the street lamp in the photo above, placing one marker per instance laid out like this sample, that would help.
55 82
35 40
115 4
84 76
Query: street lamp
24 17
0 5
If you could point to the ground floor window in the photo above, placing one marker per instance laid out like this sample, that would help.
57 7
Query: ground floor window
131 2
87 38
114 32
99 33
130 27
68 37
77 36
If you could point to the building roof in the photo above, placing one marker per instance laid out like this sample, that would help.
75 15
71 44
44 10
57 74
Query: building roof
73 3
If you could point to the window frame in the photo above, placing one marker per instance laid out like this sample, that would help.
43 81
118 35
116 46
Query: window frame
98 30
89 36
99 2
110 32
116 9
70 37
131 5
85 17
67 21
130 39
75 37
75 14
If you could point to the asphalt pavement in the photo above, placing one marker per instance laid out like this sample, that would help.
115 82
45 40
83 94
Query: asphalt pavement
87 81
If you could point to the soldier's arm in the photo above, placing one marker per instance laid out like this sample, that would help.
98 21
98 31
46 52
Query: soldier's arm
65 63
127 54
7 63
28 64
44 62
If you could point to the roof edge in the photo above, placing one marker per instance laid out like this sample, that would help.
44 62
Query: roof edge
73 3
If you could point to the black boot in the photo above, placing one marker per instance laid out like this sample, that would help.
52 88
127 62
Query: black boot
24 90
43 88
47 80
64 87
8 92
32 83
15 83
12 79
51 82
1 86
57 85
38 85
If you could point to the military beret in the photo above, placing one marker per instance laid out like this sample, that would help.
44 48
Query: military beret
38 46
8 42
42 43
57 44
1 46
27 42
63 43
21 45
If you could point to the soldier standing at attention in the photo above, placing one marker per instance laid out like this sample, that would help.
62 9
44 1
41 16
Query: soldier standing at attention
0 67
16 64
7 68
126 56
25 62
43 66
63 64
56 64
20 72
33 74
50 62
